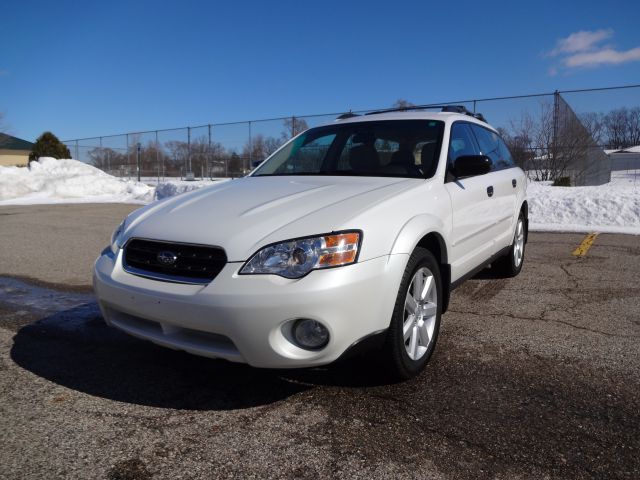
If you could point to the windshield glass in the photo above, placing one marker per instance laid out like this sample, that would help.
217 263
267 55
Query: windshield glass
390 148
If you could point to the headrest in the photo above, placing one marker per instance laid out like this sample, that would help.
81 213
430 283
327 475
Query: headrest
364 158
402 157
364 137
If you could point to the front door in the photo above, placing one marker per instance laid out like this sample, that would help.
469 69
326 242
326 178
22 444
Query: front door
473 219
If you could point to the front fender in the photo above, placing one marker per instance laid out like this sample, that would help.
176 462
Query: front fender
417 228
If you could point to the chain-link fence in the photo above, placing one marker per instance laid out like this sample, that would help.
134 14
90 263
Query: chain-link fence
558 136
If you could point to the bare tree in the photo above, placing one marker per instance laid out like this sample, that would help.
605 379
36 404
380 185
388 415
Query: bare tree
153 159
519 144
616 126
106 158
402 103
552 145
594 123
293 126
622 127
260 147
178 154
634 126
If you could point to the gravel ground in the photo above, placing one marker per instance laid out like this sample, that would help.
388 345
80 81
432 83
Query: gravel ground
533 377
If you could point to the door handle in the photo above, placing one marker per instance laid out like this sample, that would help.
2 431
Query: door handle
514 183
490 191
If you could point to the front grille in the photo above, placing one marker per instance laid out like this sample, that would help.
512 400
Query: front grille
183 262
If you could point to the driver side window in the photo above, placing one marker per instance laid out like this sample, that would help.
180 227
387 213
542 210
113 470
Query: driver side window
461 142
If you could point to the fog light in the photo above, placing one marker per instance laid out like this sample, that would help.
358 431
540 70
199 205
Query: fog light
310 334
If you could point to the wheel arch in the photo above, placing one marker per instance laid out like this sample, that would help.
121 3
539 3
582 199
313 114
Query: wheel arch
434 242
426 231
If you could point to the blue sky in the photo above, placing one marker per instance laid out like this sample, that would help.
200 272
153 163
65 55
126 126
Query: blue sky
95 68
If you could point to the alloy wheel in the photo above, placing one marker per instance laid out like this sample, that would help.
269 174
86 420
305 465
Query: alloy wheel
420 312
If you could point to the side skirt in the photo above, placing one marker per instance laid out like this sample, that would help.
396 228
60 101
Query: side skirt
479 268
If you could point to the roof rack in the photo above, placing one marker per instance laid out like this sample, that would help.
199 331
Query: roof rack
443 108
344 116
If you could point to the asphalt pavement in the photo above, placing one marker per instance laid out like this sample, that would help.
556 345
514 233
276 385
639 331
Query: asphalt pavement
533 377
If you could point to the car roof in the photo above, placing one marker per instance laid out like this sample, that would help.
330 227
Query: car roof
447 117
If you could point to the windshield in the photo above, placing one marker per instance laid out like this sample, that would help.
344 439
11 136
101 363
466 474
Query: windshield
390 148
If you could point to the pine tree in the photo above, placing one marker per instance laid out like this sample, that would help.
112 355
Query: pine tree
48 145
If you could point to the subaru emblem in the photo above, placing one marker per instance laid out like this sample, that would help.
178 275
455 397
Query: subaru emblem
166 257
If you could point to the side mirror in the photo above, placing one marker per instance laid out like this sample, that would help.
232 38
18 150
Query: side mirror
256 163
471 165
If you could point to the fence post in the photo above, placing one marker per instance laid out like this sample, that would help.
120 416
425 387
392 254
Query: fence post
128 159
138 148
77 156
188 150
554 139
158 156
209 152
250 148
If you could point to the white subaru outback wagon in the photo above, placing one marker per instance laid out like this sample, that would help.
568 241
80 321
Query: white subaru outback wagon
352 235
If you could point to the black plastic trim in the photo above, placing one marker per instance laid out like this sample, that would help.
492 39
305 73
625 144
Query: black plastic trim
167 277
479 268
369 342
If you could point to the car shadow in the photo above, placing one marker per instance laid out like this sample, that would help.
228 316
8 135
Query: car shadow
76 349
487 273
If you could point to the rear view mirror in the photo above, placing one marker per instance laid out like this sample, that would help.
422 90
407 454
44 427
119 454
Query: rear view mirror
471 165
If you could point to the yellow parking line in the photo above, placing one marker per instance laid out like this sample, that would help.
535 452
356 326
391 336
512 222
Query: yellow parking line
584 247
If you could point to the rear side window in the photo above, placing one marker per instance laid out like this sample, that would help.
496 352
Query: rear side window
493 147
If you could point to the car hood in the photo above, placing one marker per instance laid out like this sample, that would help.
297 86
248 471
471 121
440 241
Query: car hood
243 215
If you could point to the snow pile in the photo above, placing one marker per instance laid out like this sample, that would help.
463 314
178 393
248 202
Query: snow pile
70 181
176 187
58 181
613 207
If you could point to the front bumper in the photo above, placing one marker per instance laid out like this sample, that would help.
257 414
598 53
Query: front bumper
244 318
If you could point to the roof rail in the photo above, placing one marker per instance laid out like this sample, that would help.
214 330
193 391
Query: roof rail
443 108
410 107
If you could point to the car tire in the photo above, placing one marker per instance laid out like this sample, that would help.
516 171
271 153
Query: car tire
411 338
511 264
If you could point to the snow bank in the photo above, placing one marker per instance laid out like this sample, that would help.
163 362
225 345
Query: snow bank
612 208
59 181
70 181
176 187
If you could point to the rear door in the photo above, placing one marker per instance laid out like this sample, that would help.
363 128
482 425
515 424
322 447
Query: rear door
506 178
473 222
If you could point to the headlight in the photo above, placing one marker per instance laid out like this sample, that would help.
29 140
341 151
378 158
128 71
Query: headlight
296 258
116 237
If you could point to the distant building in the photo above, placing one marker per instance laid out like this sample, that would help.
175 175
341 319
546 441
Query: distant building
14 151
625 158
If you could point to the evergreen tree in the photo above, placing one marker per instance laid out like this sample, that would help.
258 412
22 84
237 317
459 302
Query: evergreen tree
48 145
